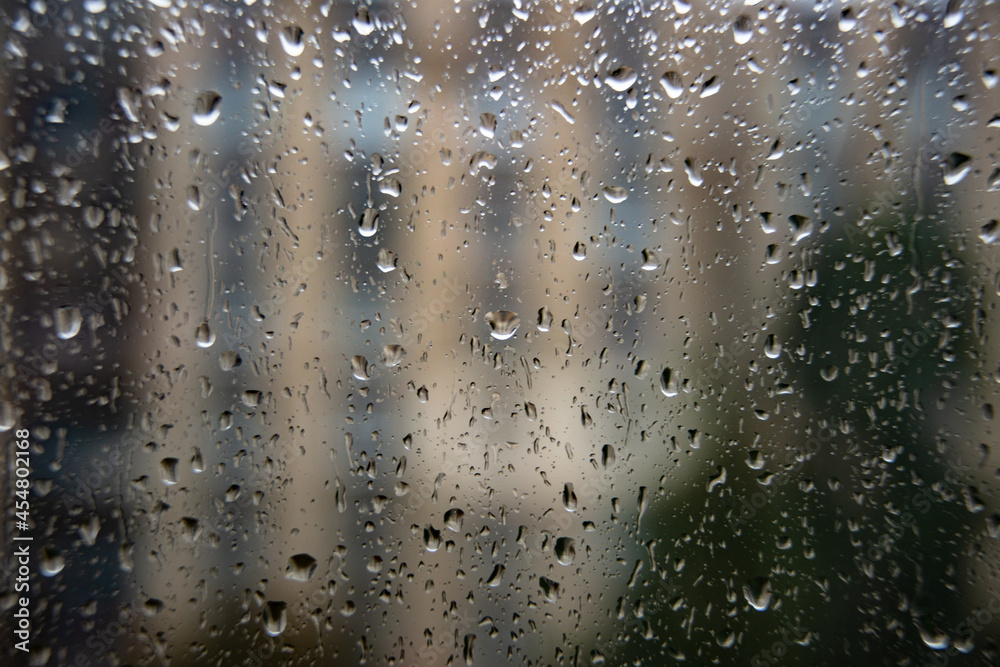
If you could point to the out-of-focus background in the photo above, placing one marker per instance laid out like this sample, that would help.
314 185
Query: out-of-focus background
498 333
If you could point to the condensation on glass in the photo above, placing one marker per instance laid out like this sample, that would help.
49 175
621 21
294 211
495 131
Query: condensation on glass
489 333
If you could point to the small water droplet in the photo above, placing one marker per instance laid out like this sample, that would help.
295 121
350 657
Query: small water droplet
432 538
580 251
772 347
569 500
544 322
453 520
742 29
360 368
956 167
668 383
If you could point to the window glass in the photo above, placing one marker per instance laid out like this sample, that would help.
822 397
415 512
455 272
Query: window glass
545 333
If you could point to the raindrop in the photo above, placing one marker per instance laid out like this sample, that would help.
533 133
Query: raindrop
621 79
275 618
487 125
565 550
207 108
503 323
168 470
580 251
829 373
360 368
52 562
453 520
607 456
386 260
742 29
550 589
672 84
615 194
292 42
392 355
368 222
363 22
544 322
668 383
956 167
757 592
68 321
203 335
300 567
432 538
772 347
569 497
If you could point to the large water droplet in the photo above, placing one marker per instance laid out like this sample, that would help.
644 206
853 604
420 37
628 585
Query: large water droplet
207 108
363 22
742 29
621 79
52 562
360 368
672 84
668 383
275 618
68 321
565 550
615 194
300 567
503 323
292 41
956 167
203 335
168 470
368 222
757 592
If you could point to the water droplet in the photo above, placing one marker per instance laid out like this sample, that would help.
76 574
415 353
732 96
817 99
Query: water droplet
300 567
391 186
742 29
68 321
580 251
569 498
368 222
621 79
615 194
197 462
607 456
432 538
649 260
757 592
194 198
829 373
392 355
168 470
204 336
95 6
363 22
292 41
544 322
693 171
52 562
503 323
453 520
251 398
550 589
275 618
386 260
207 108
956 167
668 383
584 13
772 347
487 125
360 368
565 550
190 529
672 84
